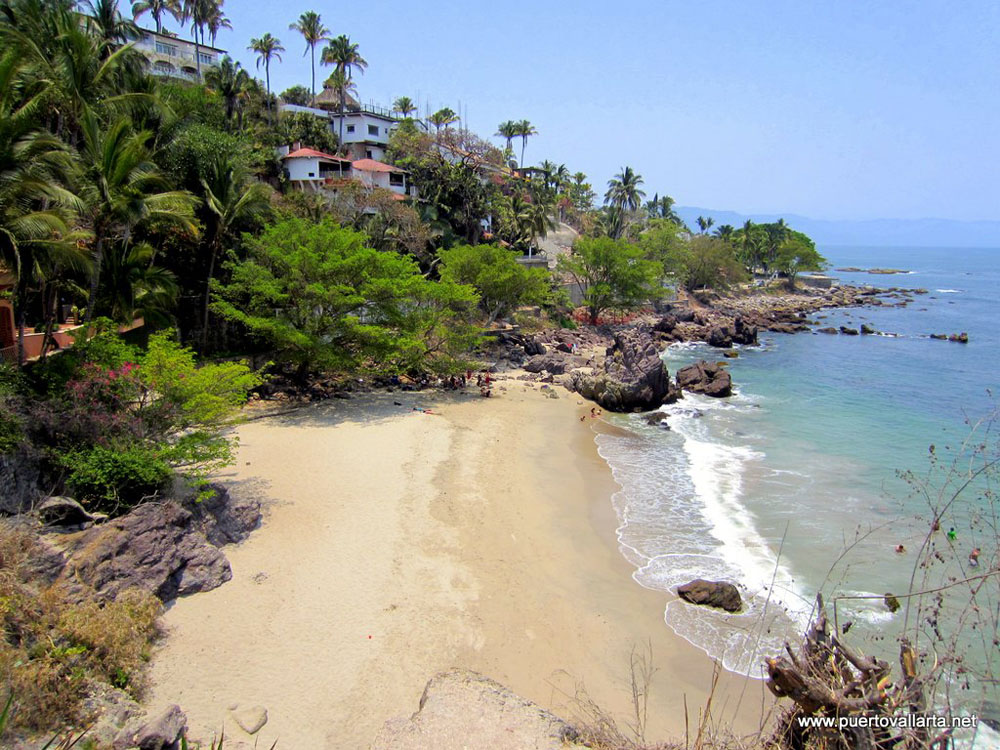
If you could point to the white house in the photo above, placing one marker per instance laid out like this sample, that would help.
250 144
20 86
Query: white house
376 174
175 57
309 169
366 130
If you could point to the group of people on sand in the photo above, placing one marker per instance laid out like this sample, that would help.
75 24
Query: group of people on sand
595 412
952 537
484 382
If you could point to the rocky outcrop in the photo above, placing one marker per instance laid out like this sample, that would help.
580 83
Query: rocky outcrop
19 475
164 548
62 511
705 377
555 363
711 594
461 709
848 331
160 732
738 332
634 377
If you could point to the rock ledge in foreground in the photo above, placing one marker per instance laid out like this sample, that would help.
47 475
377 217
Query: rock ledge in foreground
462 709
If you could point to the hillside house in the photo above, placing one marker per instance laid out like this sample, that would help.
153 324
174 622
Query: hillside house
174 57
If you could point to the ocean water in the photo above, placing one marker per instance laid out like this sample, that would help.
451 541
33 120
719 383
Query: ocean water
791 487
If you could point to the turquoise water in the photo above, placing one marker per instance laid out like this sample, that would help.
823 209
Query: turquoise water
768 488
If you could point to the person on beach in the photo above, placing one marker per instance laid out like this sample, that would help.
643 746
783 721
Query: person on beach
900 549
487 378
974 558
952 534
479 381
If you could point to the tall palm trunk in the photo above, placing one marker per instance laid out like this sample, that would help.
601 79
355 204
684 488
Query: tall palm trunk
197 55
208 295
341 136
22 314
312 47
524 142
95 278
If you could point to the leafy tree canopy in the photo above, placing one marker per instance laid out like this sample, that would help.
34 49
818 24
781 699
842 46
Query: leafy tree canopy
502 283
318 294
615 274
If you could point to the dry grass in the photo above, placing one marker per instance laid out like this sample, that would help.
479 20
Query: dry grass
53 649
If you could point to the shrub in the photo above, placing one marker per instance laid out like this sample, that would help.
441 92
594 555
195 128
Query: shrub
108 479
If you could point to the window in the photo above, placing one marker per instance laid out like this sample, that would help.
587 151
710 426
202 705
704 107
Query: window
206 59
373 130
350 128
368 154
396 179
166 49
312 174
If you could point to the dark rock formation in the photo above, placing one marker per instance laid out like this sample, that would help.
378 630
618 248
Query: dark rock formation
961 338
62 511
867 329
533 347
224 519
554 362
738 332
656 419
848 331
827 330
705 377
161 732
19 475
157 547
711 594
634 377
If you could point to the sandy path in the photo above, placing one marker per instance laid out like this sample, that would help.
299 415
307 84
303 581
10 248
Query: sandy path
397 544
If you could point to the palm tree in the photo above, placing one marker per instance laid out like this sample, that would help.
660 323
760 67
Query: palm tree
111 27
339 82
524 129
215 20
725 232
232 83
120 188
157 9
623 190
344 56
405 106
134 286
443 118
508 130
267 48
705 224
230 197
35 210
196 12
314 32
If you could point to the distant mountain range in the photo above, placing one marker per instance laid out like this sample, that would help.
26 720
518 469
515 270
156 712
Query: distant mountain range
877 232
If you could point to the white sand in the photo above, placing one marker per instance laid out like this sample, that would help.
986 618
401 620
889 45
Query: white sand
397 544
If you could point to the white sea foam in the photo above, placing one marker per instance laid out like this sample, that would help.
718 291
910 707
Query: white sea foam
949 291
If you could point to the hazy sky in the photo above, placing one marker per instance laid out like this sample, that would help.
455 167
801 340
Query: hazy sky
840 110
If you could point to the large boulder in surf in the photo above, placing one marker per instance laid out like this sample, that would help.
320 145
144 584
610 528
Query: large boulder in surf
707 378
634 377
737 332
711 594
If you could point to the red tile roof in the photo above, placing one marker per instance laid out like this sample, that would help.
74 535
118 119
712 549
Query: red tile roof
370 165
312 153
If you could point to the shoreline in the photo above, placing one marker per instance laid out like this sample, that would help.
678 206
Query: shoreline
498 556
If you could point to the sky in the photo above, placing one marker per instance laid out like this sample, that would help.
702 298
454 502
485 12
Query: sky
833 110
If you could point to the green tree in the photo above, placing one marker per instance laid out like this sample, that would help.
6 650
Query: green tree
524 131
121 188
405 106
443 118
230 198
339 81
623 196
503 284
307 129
313 31
711 263
267 48
615 275
343 54
704 224
324 299
157 9
798 253
232 83
298 95
36 211
508 131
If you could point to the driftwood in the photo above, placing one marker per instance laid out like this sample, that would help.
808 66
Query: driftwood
827 678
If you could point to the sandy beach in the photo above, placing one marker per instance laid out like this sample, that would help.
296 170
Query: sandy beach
396 544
